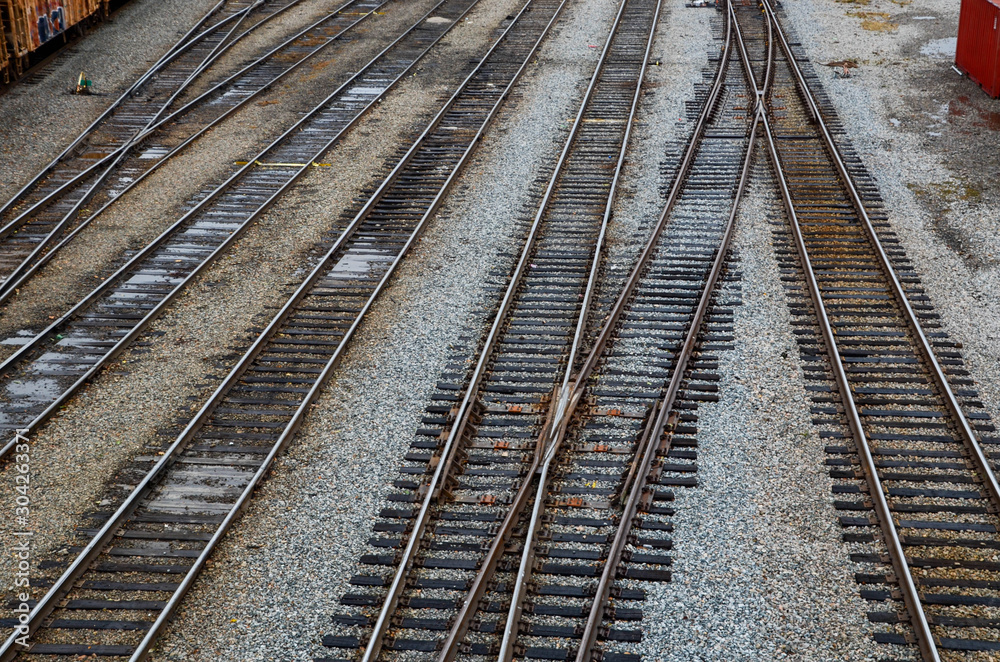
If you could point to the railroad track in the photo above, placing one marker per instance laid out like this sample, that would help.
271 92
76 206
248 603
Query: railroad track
56 209
909 439
542 470
115 596
50 367
139 103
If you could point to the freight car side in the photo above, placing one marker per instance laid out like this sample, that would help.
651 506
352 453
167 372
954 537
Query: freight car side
978 50
31 25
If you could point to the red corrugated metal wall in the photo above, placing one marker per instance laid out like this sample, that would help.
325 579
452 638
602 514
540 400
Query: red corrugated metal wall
978 52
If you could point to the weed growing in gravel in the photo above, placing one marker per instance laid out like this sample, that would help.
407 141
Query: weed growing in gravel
875 21
948 192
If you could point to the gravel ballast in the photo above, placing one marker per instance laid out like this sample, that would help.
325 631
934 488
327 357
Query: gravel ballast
144 212
926 136
760 571
759 568
363 424
78 454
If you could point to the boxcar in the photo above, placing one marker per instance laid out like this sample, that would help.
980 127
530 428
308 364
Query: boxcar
28 25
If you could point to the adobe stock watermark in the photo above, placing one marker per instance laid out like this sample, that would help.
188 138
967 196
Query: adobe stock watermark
22 535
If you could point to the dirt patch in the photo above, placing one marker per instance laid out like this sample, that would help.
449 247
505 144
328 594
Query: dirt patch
874 21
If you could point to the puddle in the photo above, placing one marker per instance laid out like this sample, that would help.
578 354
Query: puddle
365 91
438 19
152 279
358 264
43 389
59 361
22 338
940 48
122 182
154 153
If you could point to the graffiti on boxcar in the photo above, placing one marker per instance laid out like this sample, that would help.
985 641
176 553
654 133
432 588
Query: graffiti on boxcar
49 21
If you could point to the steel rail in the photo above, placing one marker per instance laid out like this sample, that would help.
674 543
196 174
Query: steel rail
969 439
466 409
175 52
116 154
172 55
911 596
675 190
184 43
153 313
14 281
93 549
658 417
145 132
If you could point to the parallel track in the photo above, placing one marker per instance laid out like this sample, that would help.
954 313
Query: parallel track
140 103
542 470
47 370
115 597
58 208
536 332
889 386
618 426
